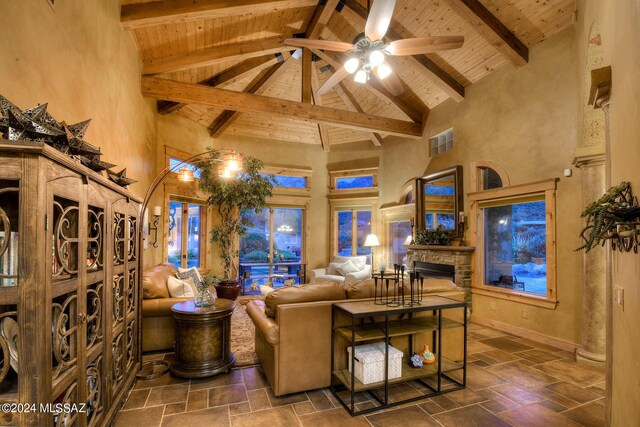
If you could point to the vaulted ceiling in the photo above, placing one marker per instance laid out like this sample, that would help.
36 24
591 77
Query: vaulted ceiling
223 64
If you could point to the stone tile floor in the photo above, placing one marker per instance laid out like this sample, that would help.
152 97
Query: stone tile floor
512 381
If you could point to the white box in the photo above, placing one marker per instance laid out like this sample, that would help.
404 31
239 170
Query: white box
369 361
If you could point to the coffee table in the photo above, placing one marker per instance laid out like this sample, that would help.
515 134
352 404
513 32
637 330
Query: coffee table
203 339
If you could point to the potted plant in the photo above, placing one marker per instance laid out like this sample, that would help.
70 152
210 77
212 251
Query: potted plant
605 216
249 190
437 237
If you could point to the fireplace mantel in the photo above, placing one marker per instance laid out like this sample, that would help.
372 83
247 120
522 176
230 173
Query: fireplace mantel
458 256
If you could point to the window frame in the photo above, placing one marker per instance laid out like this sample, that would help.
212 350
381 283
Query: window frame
353 173
392 214
354 227
303 207
507 195
290 171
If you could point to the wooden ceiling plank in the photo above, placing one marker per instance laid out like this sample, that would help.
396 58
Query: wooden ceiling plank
320 18
227 76
214 55
257 86
317 100
307 66
424 64
352 104
491 29
171 90
133 16
336 60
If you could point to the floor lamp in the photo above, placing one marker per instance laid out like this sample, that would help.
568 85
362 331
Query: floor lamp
230 163
372 241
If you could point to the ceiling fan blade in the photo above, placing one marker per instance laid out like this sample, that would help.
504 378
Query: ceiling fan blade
379 19
421 45
319 44
336 78
392 83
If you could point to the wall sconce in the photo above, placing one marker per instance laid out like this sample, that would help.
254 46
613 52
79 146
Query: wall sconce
157 213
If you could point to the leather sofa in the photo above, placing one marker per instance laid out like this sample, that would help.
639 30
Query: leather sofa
158 327
293 332
326 275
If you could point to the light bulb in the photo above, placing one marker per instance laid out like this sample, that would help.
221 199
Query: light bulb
351 65
383 70
232 162
361 77
376 57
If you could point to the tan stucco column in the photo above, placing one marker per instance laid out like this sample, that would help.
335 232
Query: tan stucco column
591 160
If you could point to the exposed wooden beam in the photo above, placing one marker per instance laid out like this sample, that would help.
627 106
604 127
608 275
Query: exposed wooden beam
257 86
352 104
140 15
226 77
336 60
171 90
422 63
317 100
214 55
320 18
491 29
307 66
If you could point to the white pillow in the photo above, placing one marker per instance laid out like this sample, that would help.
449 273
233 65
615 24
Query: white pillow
266 290
332 268
346 268
181 288
359 261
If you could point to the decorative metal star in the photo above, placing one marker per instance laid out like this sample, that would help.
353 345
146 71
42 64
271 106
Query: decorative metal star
120 178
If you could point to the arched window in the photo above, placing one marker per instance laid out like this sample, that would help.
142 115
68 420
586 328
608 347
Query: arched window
487 175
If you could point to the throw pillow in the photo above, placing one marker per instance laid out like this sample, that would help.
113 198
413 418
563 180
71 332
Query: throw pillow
346 268
180 288
265 290
332 268
186 273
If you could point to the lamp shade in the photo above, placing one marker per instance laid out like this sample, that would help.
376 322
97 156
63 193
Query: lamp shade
408 240
371 240
185 175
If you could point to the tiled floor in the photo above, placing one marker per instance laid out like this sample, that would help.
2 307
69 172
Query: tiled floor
511 381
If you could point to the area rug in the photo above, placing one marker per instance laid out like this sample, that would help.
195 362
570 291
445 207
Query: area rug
243 333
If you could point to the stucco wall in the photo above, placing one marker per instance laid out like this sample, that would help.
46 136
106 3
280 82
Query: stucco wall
525 120
178 132
78 59
620 40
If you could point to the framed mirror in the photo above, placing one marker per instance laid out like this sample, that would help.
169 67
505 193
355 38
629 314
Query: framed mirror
439 200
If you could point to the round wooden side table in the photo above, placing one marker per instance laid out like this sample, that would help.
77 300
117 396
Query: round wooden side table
203 339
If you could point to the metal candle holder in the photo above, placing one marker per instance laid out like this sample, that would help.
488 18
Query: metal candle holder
378 299
416 286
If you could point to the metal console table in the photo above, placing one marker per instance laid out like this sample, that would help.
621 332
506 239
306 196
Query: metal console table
370 323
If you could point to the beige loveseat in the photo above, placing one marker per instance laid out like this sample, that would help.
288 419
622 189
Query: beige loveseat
158 327
293 332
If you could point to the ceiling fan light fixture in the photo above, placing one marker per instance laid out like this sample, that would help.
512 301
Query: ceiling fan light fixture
376 57
351 65
383 70
361 76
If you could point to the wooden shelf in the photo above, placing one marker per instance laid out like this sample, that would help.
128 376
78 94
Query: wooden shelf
409 373
376 331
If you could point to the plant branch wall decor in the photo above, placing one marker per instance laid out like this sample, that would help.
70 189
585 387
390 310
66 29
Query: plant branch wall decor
615 216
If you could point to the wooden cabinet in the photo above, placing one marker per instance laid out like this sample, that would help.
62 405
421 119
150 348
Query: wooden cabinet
69 311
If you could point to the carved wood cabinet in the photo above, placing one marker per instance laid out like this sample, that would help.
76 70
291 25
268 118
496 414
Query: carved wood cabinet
69 312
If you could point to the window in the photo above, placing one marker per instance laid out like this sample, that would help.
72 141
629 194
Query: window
354 182
174 162
397 233
441 142
185 235
275 237
290 181
353 226
490 179
515 246
516 240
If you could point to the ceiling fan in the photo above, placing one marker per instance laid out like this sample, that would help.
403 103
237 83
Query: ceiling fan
369 51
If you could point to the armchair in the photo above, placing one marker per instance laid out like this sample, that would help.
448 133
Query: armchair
330 274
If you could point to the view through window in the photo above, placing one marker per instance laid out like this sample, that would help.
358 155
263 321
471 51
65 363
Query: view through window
353 228
515 249
183 241
397 235
275 238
